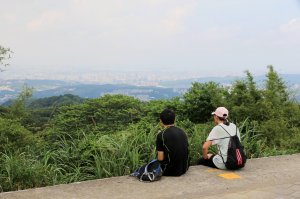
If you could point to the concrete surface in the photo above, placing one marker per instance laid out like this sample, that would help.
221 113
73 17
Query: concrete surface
273 177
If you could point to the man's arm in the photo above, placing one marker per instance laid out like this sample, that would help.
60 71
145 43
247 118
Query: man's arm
205 148
160 155
160 147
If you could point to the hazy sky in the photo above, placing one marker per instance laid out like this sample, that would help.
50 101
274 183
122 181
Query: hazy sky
210 37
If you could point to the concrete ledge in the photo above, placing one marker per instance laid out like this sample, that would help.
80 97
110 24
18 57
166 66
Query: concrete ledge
273 177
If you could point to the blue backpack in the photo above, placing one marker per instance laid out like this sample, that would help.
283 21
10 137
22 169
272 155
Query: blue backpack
149 172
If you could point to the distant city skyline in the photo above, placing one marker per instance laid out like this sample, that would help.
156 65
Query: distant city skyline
192 38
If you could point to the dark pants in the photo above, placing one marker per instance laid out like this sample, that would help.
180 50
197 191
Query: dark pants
207 162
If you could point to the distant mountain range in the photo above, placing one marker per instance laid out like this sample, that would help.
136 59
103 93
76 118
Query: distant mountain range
9 89
290 79
47 88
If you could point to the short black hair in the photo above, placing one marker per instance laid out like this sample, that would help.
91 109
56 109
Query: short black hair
167 116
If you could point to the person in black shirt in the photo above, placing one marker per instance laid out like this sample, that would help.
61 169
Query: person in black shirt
172 146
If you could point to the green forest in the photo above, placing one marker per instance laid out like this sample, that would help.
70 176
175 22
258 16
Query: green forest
66 139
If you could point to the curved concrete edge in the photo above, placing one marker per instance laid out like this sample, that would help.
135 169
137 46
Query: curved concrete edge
268 177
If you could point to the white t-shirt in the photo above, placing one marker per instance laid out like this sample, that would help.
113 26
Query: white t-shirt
220 137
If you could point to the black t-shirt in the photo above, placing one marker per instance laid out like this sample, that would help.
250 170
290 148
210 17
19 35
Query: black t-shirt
174 143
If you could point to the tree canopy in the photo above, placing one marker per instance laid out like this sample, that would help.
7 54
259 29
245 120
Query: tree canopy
5 55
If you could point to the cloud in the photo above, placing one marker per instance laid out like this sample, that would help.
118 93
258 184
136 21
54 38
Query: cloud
148 33
141 17
293 26
46 19
289 33
175 19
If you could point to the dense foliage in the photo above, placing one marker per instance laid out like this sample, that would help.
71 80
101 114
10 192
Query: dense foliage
66 139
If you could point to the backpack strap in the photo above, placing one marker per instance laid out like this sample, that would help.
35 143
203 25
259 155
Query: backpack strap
218 138
147 173
154 174
223 138
221 154
226 131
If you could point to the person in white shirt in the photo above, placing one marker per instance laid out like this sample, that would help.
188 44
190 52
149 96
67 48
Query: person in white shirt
219 135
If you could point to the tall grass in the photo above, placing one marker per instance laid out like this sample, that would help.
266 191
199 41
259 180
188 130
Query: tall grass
252 139
21 170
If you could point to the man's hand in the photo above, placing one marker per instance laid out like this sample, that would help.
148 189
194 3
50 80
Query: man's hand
207 156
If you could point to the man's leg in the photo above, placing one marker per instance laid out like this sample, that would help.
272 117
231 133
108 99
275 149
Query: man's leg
207 162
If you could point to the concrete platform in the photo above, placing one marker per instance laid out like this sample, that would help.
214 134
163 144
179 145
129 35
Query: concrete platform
273 177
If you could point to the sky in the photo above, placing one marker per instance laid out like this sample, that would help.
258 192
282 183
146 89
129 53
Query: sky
210 38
